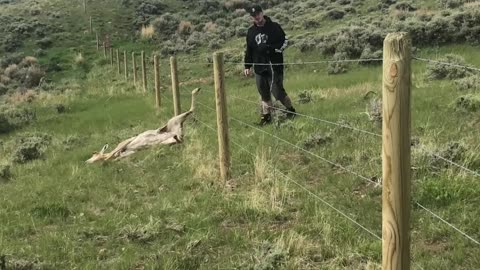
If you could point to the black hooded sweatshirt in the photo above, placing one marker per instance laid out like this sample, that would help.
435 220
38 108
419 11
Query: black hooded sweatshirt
265 45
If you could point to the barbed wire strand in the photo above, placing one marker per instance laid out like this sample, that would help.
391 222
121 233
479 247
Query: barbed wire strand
448 223
287 63
313 118
362 131
445 63
303 187
343 168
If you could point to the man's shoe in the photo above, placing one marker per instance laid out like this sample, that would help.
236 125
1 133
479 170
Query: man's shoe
291 113
265 120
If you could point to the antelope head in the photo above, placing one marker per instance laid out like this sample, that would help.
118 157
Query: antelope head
96 156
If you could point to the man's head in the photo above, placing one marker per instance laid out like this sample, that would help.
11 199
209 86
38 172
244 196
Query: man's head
256 13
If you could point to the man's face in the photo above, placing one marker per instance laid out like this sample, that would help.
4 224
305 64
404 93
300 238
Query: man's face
258 18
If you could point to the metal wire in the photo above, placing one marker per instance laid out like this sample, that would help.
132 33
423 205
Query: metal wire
445 63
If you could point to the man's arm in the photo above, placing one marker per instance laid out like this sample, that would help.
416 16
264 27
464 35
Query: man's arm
248 60
282 43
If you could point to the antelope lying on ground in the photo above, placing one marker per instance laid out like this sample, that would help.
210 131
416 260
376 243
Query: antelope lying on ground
171 133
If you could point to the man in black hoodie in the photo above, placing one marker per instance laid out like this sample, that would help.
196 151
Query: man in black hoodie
266 41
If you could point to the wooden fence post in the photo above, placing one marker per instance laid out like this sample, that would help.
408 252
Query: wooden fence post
222 119
144 73
98 42
104 49
91 25
396 152
117 51
111 56
125 64
175 87
134 68
84 6
157 80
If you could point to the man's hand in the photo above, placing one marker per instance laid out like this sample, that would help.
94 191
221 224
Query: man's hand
247 72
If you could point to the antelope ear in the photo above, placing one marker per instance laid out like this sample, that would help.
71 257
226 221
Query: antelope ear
105 147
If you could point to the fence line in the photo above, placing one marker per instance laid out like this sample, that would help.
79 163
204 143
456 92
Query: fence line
362 131
446 222
305 189
445 63
347 170
299 148
302 187
312 117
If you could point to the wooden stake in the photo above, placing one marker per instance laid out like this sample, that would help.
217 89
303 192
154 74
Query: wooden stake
157 81
104 50
98 42
134 68
117 51
222 119
111 56
396 152
84 6
125 63
144 73
91 25
175 87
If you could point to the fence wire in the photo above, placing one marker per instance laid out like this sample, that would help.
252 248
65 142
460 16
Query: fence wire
346 170
446 63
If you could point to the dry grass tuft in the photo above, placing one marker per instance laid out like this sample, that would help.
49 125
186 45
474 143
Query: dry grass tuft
147 32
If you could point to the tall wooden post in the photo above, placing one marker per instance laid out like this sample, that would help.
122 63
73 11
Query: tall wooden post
111 56
144 73
104 49
98 42
91 25
396 152
134 68
175 87
222 119
157 80
84 6
125 64
117 51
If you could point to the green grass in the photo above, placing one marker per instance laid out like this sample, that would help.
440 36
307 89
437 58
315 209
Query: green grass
165 208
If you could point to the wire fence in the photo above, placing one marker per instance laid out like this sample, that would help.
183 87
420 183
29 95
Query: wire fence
376 184
446 63
337 124
316 196
451 162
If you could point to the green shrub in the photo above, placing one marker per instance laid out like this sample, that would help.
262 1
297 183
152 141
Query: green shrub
470 103
44 43
437 71
468 83
335 14
166 25
12 118
30 147
338 67
5 174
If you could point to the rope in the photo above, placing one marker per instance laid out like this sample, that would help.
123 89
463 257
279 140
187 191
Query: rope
445 63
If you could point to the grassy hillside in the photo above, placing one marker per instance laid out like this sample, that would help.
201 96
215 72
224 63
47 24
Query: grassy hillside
165 208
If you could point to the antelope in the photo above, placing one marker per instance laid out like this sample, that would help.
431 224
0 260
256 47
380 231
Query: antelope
171 133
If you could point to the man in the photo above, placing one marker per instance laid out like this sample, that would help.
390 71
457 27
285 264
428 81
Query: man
266 41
